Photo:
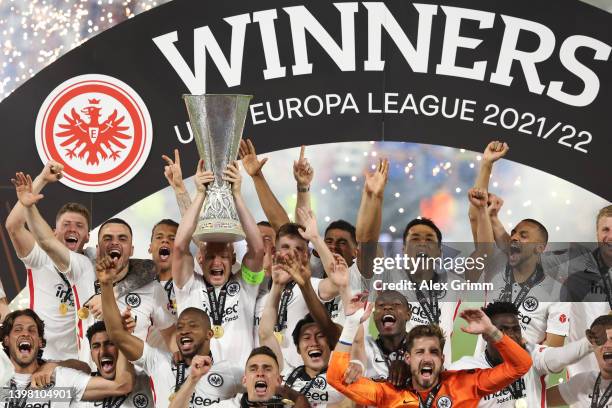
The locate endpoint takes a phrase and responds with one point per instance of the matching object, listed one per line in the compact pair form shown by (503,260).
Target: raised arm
(253,258)
(131,346)
(4,310)
(275,213)
(182,260)
(300,273)
(42,233)
(502,238)
(516,360)
(174,175)
(200,365)
(303,174)
(484,237)
(22,239)
(369,217)
(363,391)
(493,152)
(99,388)
(270,313)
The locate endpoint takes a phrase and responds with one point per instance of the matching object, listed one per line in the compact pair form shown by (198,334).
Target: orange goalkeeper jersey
(460,389)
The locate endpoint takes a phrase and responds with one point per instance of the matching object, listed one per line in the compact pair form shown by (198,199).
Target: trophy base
(219,231)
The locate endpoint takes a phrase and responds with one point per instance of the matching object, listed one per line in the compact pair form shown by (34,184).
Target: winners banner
(448,73)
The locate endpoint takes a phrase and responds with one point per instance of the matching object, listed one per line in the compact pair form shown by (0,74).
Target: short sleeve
(80,269)
(162,318)
(558,318)
(572,388)
(37,258)
(149,360)
(69,378)
(315,286)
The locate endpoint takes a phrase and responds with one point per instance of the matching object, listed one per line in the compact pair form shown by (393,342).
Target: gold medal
(521,403)
(218,331)
(288,402)
(83,313)
(63,309)
(279,337)
(171,397)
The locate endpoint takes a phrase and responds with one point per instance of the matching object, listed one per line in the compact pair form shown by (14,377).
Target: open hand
(375,181)
(247,154)
(23,187)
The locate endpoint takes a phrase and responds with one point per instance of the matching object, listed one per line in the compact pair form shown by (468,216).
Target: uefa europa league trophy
(217,122)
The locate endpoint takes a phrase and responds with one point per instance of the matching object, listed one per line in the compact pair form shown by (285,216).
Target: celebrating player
(23,339)
(229,299)
(529,390)
(429,385)
(193,333)
(589,389)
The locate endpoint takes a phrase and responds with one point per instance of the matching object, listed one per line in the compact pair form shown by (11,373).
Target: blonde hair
(604,212)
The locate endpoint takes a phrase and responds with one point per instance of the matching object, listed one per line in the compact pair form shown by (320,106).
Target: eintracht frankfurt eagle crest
(98,127)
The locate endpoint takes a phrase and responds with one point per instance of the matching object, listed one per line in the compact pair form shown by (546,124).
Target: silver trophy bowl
(217,122)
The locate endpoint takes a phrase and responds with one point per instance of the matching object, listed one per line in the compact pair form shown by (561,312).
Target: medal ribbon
(428,303)
(300,372)
(605,276)
(534,279)
(69,291)
(217,305)
(428,403)
(281,317)
(398,354)
(595,402)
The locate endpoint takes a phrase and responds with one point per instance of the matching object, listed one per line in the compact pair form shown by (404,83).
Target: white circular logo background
(98,128)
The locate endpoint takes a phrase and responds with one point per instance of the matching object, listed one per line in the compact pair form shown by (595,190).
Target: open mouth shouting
(315,355)
(261,388)
(107,364)
(515,251)
(72,241)
(607,356)
(426,372)
(185,344)
(115,253)
(388,322)
(164,253)
(25,346)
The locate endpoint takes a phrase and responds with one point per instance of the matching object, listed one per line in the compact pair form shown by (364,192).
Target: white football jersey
(578,390)
(66,392)
(296,310)
(53,300)
(140,397)
(223,381)
(317,390)
(448,306)
(144,303)
(376,367)
(537,314)
(237,341)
